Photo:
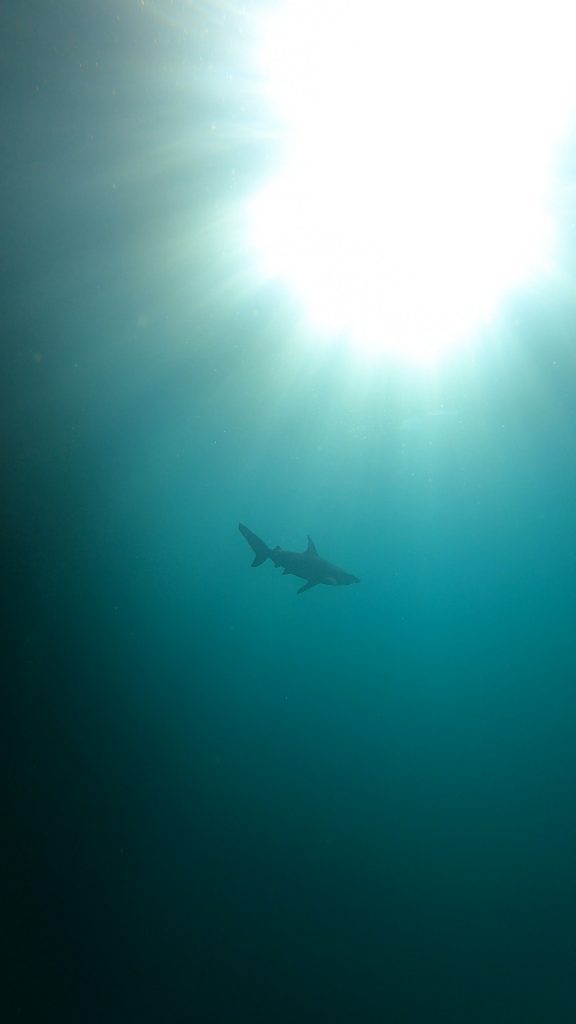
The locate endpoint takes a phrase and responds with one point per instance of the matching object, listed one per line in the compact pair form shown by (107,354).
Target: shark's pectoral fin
(307,586)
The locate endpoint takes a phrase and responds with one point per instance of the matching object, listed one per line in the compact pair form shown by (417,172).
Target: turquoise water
(228,802)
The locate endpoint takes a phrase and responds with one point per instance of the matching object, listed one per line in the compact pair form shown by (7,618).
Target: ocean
(227,802)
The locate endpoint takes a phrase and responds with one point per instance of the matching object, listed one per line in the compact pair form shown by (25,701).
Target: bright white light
(420,141)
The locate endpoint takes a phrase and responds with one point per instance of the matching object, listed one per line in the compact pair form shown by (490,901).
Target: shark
(307,565)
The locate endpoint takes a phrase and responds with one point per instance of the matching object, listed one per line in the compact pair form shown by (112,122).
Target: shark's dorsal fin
(311,549)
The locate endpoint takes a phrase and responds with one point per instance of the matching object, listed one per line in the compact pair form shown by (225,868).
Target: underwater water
(228,802)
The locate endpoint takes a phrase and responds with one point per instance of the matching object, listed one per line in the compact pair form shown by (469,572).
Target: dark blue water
(228,802)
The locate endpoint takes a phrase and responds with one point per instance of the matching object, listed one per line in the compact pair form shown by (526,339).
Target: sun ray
(419,150)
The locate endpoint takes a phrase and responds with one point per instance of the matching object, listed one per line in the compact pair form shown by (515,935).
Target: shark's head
(342,579)
(349,578)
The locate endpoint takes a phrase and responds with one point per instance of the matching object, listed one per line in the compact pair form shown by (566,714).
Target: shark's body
(306,564)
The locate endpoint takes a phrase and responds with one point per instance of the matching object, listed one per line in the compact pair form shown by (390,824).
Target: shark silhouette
(306,564)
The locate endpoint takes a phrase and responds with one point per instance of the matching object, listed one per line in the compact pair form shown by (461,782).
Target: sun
(419,146)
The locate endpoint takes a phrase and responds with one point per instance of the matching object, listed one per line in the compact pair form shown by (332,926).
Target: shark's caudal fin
(260,549)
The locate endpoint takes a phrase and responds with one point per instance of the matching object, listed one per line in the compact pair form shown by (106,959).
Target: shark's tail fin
(260,549)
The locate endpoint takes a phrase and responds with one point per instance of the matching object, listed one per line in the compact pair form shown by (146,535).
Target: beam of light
(419,148)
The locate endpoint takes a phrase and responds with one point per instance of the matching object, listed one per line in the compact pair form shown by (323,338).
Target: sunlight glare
(419,148)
